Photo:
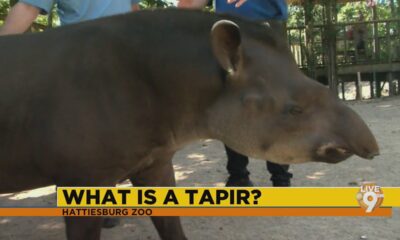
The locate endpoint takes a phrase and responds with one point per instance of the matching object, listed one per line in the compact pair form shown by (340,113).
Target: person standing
(23,13)
(255,10)
(359,36)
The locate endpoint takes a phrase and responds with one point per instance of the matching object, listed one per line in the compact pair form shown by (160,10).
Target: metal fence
(366,53)
(381,42)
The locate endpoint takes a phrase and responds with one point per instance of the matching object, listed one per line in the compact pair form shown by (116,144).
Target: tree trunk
(330,36)
(309,40)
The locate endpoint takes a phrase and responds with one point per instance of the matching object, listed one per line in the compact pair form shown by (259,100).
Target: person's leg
(237,169)
(280,175)
(361,47)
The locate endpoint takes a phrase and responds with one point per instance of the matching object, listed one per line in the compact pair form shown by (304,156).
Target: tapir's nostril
(328,148)
(333,151)
(339,150)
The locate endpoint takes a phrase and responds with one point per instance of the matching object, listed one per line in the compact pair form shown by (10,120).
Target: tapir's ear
(226,40)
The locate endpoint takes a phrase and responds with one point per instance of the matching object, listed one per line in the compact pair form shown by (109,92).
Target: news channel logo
(370,196)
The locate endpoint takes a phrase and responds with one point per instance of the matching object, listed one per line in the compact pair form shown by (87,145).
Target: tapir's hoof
(109,222)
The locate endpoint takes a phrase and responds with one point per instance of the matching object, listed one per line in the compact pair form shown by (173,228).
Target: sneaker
(281,179)
(239,182)
(281,183)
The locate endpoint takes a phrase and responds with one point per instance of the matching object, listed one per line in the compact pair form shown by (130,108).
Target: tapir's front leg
(161,174)
(83,228)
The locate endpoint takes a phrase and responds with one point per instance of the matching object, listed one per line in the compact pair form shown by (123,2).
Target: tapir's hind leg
(169,228)
(161,174)
(83,228)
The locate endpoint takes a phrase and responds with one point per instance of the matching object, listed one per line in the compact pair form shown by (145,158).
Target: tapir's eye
(295,110)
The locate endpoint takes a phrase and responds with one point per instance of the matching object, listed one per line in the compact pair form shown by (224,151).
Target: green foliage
(296,16)
(346,12)
(4,7)
(350,12)
(155,3)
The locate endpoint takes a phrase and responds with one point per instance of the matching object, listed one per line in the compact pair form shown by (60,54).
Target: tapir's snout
(334,153)
(352,136)
(359,137)
(371,155)
(369,150)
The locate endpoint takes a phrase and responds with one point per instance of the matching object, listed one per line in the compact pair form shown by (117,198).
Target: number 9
(370,203)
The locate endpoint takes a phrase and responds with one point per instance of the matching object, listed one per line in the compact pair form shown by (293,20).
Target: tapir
(101,101)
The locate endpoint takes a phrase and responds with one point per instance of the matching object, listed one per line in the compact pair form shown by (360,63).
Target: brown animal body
(92,103)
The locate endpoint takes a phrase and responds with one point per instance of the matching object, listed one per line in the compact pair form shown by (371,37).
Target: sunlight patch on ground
(182,175)
(48,226)
(177,167)
(125,183)
(35,193)
(208,184)
(6,194)
(129,225)
(316,175)
(384,106)
(4,221)
(219,184)
(197,156)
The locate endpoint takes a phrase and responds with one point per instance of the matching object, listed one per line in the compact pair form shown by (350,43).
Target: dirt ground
(203,164)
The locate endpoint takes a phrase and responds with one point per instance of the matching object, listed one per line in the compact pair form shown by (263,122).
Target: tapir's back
(92,90)
(117,85)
